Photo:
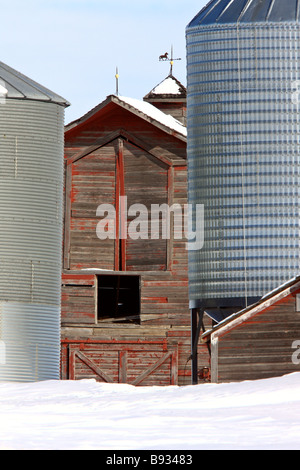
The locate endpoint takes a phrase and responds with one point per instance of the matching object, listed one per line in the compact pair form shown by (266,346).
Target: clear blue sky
(74,46)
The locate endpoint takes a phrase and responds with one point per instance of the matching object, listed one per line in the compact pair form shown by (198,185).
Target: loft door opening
(119,298)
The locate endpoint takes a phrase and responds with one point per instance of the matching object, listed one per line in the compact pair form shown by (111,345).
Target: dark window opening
(119,298)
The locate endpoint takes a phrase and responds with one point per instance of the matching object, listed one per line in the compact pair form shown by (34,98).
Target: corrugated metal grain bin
(31,199)
(243,149)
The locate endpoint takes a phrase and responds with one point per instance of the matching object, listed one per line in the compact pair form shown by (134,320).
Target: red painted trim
(180,168)
(84,277)
(122,260)
(113,341)
(117,205)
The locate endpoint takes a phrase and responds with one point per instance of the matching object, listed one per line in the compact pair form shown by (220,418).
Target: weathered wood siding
(177,110)
(93,180)
(146,183)
(124,354)
(78,303)
(260,347)
(135,362)
(116,153)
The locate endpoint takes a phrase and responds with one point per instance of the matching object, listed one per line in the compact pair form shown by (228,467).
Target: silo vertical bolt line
(242,163)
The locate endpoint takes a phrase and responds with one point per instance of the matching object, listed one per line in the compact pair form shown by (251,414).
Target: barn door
(136,363)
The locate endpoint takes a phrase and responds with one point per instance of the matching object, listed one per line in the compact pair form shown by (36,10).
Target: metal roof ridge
(42,93)
(270,9)
(249,11)
(247,5)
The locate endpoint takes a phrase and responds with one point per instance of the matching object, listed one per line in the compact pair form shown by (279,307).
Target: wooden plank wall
(154,169)
(93,183)
(177,110)
(262,346)
(147,347)
(136,362)
(78,302)
(146,183)
(165,316)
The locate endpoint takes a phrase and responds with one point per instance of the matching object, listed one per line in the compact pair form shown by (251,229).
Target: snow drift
(87,415)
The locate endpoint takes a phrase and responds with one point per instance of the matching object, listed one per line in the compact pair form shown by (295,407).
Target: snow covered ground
(86,415)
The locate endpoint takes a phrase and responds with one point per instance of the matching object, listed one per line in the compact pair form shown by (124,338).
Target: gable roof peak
(169,88)
(154,114)
(141,108)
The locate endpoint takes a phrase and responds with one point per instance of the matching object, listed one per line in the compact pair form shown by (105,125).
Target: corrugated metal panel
(31,190)
(31,335)
(243,150)
(249,11)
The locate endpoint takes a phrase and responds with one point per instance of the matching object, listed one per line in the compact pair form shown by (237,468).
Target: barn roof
(15,85)
(141,108)
(266,301)
(246,11)
(154,114)
(169,88)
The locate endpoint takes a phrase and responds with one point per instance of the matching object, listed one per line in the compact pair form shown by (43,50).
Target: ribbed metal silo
(243,67)
(31,187)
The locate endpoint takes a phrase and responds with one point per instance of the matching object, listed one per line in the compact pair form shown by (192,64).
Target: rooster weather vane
(165,58)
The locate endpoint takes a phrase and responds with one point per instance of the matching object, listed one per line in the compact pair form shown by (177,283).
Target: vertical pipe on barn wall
(196,325)
(214,358)
(31,201)
(243,98)
(194,355)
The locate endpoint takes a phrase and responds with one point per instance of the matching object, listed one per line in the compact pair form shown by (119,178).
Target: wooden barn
(125,306)
(260,341)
